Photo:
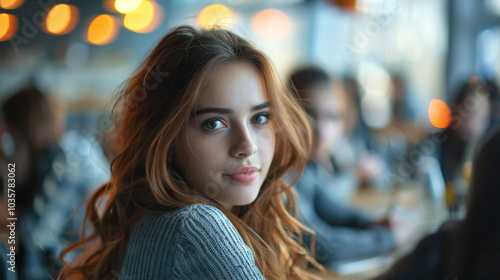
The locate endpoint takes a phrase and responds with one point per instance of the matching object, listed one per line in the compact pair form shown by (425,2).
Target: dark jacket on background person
(342,233)
(427,260)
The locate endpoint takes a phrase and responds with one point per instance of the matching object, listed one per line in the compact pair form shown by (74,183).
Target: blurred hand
(404,225)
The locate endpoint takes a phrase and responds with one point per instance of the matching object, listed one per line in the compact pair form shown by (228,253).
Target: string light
(11,4)
(102,30)
(145,18)
(8,26)
(215,15)
(61,19)
(271,24)
(127,6)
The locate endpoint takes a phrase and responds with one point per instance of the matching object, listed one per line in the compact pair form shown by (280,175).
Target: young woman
(205,136)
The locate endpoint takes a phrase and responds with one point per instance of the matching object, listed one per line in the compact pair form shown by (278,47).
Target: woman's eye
(261,118)
(213,124)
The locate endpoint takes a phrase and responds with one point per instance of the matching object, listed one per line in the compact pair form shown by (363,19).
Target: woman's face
(228,145)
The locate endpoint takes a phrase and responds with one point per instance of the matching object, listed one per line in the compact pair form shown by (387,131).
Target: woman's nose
(244,144)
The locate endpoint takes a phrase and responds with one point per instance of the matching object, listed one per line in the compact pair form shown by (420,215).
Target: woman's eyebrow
(260,106)
(226,111)
(223,111)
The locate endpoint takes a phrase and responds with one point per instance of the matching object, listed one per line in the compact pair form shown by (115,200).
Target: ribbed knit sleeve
(194,242)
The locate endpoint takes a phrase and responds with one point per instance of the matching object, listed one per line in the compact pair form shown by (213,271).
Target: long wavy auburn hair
(153,109)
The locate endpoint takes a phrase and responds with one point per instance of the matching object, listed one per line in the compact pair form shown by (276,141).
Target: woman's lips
(244,174)
(243,177)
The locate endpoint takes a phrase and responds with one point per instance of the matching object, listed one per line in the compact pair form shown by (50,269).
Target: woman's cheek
(267,144)
(206,148)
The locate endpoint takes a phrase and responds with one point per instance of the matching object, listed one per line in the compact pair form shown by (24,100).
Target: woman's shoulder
(184,220)
(197,223)
(205,221)
(195,212)
(192,242)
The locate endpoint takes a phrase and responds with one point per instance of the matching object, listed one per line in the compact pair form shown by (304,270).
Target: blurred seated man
(55,171)
(466,249)
(342,233)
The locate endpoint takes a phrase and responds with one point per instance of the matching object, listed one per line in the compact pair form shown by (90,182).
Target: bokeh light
(271,24)
(216,14)
(146,18)
(439,113)
(375,83)
(11,4)
(127,6)
(376,111)
(61,19)
(102,30)
(8,26)
(374,79)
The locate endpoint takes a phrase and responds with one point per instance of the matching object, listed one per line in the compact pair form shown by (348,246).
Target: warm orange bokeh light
(61,19)
(8,26)
(11,4)
(127,6)
(102,30)
(144,19)
(439,113)
(216,14)
(271,24)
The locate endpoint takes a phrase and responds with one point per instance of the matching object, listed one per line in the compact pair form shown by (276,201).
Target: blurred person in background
(494,102)
(466,249)
(470,117)
(55,171)
(342,233)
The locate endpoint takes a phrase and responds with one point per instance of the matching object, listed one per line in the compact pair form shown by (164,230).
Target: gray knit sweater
(193,242)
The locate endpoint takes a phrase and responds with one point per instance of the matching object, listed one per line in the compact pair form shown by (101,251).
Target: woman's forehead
(234,85)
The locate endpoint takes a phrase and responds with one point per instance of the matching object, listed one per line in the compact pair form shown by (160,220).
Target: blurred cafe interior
(416,96)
